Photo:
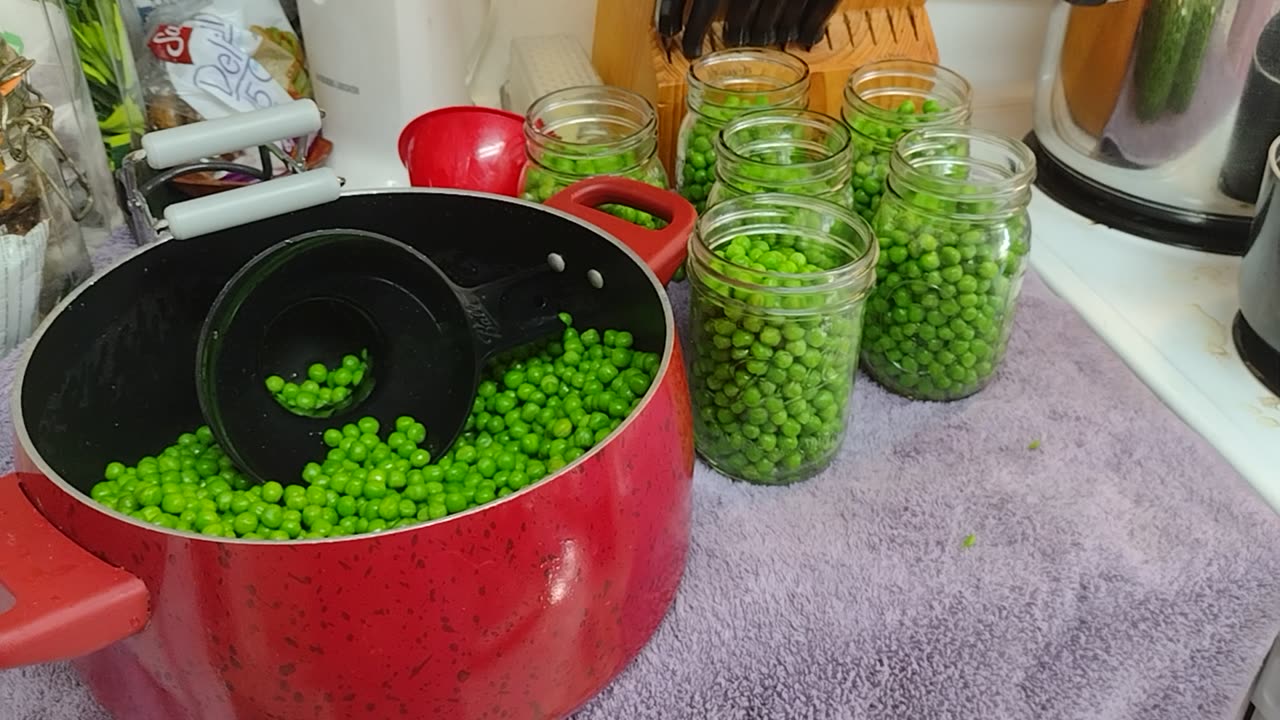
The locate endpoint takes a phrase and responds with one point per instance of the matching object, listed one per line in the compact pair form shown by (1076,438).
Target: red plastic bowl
(465,147)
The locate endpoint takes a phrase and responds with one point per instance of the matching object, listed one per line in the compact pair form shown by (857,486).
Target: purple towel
(1119,570)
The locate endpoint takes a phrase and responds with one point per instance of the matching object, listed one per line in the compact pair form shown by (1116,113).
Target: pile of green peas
(770,388)
(873,146)
(553,173)
(324,388)
(537,409)
(698,156)
(939,318)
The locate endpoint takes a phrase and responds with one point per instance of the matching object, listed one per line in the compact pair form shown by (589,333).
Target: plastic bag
(207,59)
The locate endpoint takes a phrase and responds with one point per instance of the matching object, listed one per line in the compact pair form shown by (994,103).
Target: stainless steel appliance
(1257,326)
(1138,114)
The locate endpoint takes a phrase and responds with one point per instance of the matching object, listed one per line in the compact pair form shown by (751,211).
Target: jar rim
(601,95)
(767,56)
(834,161)
(858,273)
(1014,166)
(949,86)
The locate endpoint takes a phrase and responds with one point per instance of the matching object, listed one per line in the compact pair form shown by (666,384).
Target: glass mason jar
(583,132)
(722,86)
(778,283)
(42,251)
(794,151)
(885,99)
(954,235)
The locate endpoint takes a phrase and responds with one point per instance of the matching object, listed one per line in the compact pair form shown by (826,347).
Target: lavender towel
(1120,570)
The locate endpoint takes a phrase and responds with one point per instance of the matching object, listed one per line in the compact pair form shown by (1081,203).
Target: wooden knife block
(628,53)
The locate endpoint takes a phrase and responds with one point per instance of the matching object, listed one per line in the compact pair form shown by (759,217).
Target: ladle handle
(662,250)
(57,601)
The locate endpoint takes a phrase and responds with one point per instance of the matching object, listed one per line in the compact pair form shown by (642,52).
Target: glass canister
(778,283)
(722,86)
(954,235)
(588,131)
(786,150)
(885,99)
(41,246)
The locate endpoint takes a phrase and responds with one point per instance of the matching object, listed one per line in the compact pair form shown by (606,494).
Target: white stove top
(1168,312)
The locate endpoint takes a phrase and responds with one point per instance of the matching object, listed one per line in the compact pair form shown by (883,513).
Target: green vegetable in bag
(1187,76)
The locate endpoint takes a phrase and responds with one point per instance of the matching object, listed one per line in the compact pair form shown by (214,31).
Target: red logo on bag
(171,43)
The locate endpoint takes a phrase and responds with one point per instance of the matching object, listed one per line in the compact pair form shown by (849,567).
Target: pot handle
(189,143)
(57,601)
(662,250)
(251,203)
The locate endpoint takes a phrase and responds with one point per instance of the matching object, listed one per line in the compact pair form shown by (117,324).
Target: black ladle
(322,295)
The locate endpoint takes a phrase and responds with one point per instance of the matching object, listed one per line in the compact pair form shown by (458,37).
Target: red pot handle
(57,601)
(662,250)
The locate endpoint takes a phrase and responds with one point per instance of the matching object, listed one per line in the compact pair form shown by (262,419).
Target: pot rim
(28,446)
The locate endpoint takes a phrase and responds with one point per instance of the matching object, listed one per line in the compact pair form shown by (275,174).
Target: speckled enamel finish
(522,609)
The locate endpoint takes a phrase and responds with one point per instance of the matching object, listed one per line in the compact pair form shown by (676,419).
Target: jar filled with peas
(778,286)
(784,150)
(954,235)
(584,132)
(885,99)
(722,86)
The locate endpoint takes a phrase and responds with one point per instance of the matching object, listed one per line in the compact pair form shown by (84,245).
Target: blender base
(1216,234)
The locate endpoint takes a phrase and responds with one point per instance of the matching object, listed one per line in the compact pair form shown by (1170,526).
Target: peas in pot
(722,86)
(786,150)
(583,132)
(886,99)
(778,286)
(954,235)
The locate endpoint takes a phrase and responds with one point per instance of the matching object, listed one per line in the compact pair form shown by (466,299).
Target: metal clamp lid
(26,116)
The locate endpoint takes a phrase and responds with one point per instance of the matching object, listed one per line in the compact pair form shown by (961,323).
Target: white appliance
(377,64)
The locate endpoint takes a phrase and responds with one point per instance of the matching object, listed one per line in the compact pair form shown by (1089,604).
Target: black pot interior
(112,377)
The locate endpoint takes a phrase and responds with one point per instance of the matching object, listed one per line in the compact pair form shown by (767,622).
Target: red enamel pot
(523,608)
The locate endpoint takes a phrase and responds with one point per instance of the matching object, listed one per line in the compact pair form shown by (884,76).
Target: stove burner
(1261,359)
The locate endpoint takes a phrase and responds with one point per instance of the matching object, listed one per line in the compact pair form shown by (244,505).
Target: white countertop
(1167,312)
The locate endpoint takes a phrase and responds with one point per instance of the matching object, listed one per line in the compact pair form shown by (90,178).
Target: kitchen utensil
(1141,148)
(469,148)
(765,26)
(789,26)
(1258,120)
(167,157)
(523,608)
(701,13)
(320,296)
(1257,326)
(669,19)
(739,17)
(377,66)
(813,25)
(629,53)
